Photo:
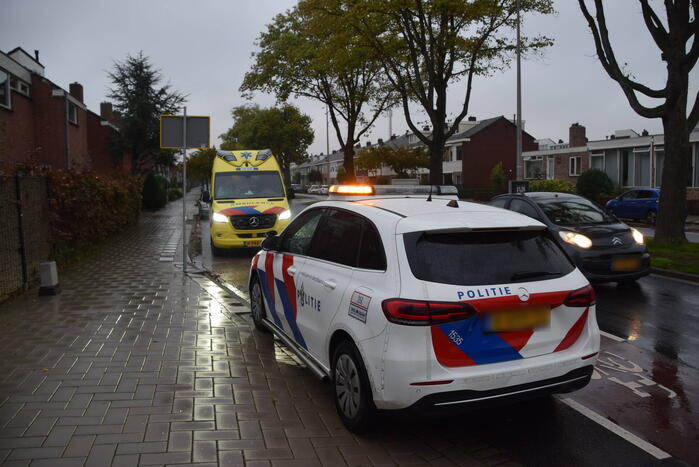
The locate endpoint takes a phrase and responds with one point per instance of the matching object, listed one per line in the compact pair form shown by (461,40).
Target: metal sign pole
(519,169)
(184,193)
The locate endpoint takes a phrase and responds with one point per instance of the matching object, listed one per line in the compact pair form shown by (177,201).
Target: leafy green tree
(424,46)
(200,164)
(139,100)
(498,178)
(284,130)
(305,52)
(671,36)
(403,161)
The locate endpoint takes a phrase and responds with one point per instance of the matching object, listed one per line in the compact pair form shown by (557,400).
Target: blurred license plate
(627,263)
(252,243)
(515,320)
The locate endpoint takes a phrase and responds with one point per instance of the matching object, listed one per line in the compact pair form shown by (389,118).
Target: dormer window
(72,113)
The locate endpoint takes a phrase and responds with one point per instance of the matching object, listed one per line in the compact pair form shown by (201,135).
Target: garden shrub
(174,193)
(86,207)
(594,184)
(154,192)
(560,186)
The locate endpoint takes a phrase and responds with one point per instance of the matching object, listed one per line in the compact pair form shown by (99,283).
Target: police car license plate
(252,243)
(626,263)
(516,320)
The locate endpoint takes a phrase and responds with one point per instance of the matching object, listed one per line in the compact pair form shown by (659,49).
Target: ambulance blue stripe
(247,210)
(289,314)
(480,346)
(269,297)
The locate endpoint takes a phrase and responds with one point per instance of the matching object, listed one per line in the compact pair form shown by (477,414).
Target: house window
(534,168)
(575,162)
(72,113)
(459,153)
(597,161)
(4,89)
(19,85)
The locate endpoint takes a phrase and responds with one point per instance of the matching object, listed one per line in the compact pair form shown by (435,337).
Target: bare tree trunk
(348,150)
(436,154)
(676,166)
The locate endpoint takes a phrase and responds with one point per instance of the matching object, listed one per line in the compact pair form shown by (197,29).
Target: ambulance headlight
(218,217)
(637,236)
(576,239)
(285,215)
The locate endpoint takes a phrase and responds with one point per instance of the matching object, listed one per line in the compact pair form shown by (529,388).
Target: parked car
(602,247)
(428,306)
(636,204)
(313,189)
(297,187)
(323,190)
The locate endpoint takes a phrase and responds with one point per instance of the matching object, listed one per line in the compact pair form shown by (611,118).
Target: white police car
(425,303)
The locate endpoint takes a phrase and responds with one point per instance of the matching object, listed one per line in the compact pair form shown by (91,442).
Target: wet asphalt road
(646,380)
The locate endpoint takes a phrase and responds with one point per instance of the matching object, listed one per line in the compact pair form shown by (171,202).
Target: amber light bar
(352,189)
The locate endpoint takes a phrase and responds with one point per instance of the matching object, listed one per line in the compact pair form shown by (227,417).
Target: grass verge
(682,257)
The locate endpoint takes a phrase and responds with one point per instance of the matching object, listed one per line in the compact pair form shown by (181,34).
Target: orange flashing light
(352,189)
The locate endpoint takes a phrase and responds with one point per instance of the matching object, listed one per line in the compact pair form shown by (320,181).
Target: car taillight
(422,313)
(584,296)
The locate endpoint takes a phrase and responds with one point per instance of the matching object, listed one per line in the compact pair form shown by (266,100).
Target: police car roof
(417,214)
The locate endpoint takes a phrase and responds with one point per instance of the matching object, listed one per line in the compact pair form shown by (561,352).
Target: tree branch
(655,26)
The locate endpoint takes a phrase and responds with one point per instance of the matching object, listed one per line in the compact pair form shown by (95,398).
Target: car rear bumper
(446,402)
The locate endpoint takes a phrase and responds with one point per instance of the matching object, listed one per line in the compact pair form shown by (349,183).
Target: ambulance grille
(253,221)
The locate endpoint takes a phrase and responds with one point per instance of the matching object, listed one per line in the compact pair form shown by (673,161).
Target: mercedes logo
(254,221)
(523,294)
(616,241)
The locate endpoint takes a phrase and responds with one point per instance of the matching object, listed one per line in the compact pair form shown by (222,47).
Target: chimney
(472,119)
(36,55)
(644,133)
(393,137)
(76,90)
(380,142)
(368,143)
(577,136)
(426,128)
(106,111)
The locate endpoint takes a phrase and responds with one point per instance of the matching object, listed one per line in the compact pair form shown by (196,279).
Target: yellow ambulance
(248,199)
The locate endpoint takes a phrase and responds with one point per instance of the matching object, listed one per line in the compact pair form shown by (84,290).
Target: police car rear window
(477,258)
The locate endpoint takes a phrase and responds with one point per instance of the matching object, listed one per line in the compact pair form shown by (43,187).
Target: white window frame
(603,155)
(531,159)
(574,167)
(8,90)
(551,164)
(21,87)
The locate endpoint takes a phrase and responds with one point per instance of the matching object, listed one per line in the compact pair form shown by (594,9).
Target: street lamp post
(519,164)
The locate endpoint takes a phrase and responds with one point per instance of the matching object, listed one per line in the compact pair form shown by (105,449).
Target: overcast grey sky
(203,48)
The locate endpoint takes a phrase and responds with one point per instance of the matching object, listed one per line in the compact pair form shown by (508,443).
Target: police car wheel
(257,306)
(353,399)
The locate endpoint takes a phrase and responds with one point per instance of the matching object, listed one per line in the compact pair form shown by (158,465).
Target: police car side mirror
(271,243)
(205,196)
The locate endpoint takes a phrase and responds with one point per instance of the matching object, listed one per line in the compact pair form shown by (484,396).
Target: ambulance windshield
(248,184)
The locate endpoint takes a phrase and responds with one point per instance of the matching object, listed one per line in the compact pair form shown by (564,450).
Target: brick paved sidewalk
(134,364)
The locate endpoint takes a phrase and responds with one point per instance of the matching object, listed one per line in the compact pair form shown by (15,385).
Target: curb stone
(675,274)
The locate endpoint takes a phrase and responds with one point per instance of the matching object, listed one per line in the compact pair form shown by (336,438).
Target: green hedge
(560,186)
(86,207)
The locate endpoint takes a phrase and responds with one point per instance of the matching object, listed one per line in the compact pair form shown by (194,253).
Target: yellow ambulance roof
(230,160)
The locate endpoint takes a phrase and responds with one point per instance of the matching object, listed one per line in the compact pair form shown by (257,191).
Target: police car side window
(297,237)
(337,238)
(371,255)
(523,207)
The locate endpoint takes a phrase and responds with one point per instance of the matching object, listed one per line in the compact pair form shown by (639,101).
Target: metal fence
(25,235)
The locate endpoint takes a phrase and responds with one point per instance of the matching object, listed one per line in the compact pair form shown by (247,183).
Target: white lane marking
(614,428)
(612,336)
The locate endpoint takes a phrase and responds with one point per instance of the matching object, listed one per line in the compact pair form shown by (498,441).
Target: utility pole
(519,163)
(390,124)
(327,132)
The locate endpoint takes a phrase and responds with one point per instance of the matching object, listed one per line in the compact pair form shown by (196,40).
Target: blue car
(641,203)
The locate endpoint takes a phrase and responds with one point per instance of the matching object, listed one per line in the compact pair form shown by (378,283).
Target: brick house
(481,146)
(43,124)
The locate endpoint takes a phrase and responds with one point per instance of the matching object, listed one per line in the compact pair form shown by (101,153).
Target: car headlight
(638,236)
(576,239)
(285,215)
(218,217)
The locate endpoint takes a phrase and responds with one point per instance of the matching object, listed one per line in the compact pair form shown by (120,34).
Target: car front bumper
(223,235)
